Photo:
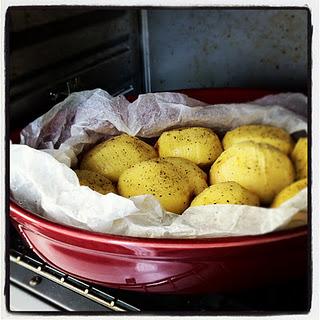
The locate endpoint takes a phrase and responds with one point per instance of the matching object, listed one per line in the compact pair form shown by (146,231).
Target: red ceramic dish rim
(73,232)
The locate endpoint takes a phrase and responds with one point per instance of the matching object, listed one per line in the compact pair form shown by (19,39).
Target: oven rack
(95,299)
(67,293)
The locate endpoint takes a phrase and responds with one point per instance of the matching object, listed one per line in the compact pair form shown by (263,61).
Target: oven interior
(53,51)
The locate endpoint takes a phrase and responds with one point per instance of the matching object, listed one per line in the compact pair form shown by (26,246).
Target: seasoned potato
(300,158)
(199,145)
(289,192)
(112,157)
(95,181)
(226,193)
(273,136)
(260,168)
(194,174)
(299,219)
(160,179)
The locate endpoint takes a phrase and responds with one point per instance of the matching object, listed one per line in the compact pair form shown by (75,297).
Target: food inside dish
(226,193)
(260,168)
(273,136)
(254,165)
(112,157)
(300,158)
(95,181)
(289,192)
(199,145)
(196,176)
(160,178)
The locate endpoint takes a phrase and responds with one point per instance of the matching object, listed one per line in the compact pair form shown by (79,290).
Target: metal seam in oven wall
(145,50)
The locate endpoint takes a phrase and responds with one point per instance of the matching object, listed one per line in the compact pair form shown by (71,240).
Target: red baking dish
(169,265)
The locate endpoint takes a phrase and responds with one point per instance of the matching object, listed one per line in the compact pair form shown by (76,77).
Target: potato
(260,168)
(299,219)
(193,173)
(160,179)
(299,156)
(289,192)
(112,157)
(273,136)
(199,145)
(95,181)
(226,193)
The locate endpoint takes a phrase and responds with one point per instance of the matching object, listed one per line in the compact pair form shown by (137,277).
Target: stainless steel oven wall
(56,50)
(227,48)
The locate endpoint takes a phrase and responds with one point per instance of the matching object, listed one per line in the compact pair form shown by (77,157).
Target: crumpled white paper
(42,181)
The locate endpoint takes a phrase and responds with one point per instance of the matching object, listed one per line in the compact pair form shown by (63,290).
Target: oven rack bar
(88,291)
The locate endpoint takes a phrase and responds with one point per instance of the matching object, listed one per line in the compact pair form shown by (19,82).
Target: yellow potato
(300,158)
(260,168)
(199,145)
(95,181)
(225,193)
(193,173)
(273,136)
(288,192)
(299,219)
(160,179)
(112,157)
